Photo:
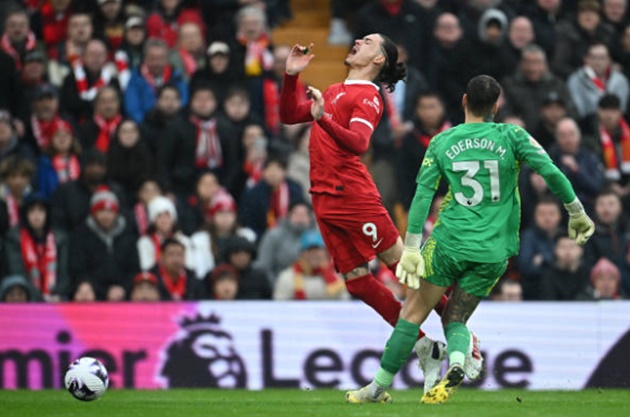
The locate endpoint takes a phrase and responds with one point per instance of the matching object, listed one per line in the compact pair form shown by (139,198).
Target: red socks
(370,290)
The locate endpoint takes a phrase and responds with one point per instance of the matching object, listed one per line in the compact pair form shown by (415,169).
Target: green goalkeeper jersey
(480,217)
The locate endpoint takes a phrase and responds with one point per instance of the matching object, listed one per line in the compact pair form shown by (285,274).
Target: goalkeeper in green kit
(475,234)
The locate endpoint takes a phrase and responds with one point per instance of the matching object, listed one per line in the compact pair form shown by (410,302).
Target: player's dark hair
(609,102)
(482,94)
(392,71)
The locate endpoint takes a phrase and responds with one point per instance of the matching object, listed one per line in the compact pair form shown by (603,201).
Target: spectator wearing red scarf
(166,20)
(268,202)
(200,142)
(176,282)
(595,79)
(60,162)
(16,175)
(80,30)
(429,119)
(51,23)
(153,74)
(90,73)
(18,39)
(45,115)
(189,55)
(255,45)
(38,252)
(312,276)
(97,132)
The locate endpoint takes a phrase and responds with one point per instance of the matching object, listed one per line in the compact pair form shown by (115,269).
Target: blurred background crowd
(142,156)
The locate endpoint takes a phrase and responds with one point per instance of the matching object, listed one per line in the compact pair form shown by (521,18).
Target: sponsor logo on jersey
(374,103)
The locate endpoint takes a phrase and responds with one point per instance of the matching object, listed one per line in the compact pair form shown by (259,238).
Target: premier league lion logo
(203,355)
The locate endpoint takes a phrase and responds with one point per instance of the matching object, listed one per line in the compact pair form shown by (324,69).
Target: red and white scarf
(425,139)
(175,287)
(611,155)
(155,84)
(189,61)
(13,209)
(208,152)
(107,129)
(142,218)
(254,171)
(334,284)
(600,83)
(87,92)
(40,261)
(279,205)
(44,130)
(66,167)
(7,46)
(122,67)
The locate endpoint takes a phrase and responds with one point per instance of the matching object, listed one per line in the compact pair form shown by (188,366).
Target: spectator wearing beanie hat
(224,282)
(145,287)
(103,248)
(162,225)
(605,282)
(220,226)
(71,200)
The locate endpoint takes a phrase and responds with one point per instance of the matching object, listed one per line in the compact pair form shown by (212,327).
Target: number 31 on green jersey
(470,169)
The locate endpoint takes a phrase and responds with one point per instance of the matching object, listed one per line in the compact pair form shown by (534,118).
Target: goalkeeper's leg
(458,339)
(417,307)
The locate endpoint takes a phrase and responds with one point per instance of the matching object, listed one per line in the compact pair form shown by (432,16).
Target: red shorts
(354,231)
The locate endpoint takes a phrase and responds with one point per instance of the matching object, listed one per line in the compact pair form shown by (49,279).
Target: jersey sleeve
(364,117)
(427,183)
(529,151)
(292,110)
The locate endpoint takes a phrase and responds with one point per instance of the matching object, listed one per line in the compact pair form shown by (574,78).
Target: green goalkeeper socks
(457,342)
(396,351)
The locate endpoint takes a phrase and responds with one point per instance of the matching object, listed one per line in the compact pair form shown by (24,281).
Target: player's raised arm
(529,151)
(293,111)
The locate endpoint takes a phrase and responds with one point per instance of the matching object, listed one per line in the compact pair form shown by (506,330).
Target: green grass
(316,403)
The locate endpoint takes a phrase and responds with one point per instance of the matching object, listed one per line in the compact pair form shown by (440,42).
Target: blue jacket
(255,204)
(47,179)
(140,96)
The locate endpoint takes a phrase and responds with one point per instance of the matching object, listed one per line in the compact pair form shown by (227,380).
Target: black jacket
(129,167)
(104,259)
(558,284)
(176,156)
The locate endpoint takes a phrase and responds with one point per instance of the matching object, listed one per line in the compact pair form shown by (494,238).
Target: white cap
(134,21)
(218,48)
(160,205)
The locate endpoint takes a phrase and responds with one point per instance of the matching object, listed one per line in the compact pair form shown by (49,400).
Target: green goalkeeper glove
(581,227)
(411,265)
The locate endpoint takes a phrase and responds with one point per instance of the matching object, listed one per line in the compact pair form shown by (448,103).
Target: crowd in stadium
(142,155)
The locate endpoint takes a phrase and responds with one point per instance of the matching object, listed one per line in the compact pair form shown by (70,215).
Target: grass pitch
(316,403)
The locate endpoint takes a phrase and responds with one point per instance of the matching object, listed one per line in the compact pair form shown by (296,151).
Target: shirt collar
(361,82)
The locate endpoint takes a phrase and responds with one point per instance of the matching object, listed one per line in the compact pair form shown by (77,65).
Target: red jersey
(352,110)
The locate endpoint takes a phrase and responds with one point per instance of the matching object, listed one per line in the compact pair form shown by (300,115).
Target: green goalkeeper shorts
(476,278)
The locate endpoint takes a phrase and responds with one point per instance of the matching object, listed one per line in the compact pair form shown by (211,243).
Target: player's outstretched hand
(581,227)
(299,59)
(317,107)
(410,268)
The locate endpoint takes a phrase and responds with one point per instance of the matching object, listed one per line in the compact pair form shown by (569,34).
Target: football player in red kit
(352,219)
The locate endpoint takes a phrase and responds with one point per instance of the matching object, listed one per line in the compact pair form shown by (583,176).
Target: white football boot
(473,364)
(430,353)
